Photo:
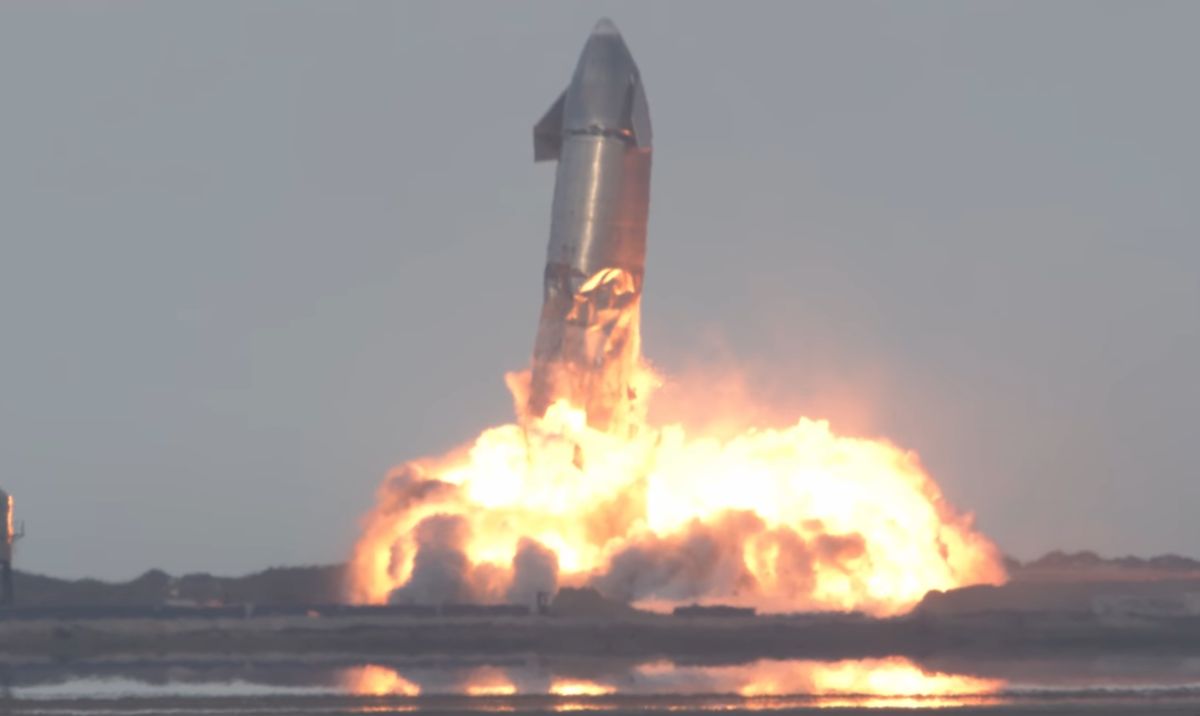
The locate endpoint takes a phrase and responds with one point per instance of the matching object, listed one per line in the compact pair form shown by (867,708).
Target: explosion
(786,518)
(582,490)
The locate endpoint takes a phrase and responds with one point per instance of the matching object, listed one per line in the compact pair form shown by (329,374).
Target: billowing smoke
(704,561)
(443,573)
(535,569)
(708,561)
(783,519)
(441,570)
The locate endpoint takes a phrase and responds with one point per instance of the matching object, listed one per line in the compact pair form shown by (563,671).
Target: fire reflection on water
(374,680)
(580,687)
(490,681)
(891,682)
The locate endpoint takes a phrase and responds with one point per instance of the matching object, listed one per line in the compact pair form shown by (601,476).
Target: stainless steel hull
(587,348)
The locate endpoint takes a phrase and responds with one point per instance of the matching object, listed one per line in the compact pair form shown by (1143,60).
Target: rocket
(588,348)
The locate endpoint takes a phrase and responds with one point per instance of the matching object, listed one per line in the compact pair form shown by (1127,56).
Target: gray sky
(255,253)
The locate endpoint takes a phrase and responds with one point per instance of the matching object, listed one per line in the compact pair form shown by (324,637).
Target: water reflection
(527,683)
(375,680)
(580,687)
(490,681)
(887,680)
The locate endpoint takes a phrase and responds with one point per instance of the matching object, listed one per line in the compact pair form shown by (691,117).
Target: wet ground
(527,684)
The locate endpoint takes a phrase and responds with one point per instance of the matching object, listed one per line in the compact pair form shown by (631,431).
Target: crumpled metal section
(598,353)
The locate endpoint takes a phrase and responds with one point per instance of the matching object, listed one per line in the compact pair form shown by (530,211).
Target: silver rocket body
(588,343)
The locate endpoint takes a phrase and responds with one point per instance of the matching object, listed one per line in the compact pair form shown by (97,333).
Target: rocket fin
(547,133)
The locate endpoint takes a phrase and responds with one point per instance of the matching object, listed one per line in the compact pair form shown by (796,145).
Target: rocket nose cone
(605,27)
(606,89)
(606,47)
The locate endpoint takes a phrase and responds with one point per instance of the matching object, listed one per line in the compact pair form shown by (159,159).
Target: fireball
(782,518)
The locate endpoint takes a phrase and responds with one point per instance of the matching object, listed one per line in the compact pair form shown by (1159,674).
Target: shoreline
(813,636)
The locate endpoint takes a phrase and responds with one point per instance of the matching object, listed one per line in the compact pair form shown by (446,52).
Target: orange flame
(786,518)
(789,518)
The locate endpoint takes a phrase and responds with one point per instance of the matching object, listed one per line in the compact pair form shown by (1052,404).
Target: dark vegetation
(323,585)
(278,585)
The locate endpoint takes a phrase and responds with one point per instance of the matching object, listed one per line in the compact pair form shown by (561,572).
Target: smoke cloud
(441,570)
(704,561)
(782,519)
(535,569)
